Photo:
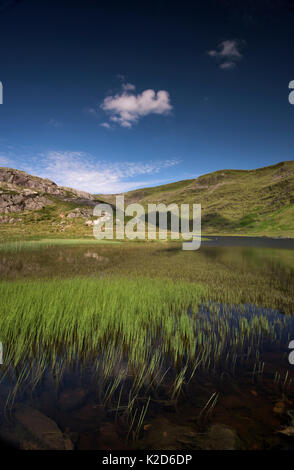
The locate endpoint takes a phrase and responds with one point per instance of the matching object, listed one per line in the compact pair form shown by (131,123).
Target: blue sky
(108,99)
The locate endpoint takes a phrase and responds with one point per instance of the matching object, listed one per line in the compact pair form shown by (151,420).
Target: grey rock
(20,191)
(80,212)
(79,194)
(220,437)
(24,180)
(23,201)
(43,429)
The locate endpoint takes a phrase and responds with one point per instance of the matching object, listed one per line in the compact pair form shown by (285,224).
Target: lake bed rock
(43,429)
(220,437)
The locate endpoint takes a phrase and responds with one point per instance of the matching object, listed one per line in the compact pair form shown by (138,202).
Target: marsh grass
(142,319)
(92,314)
(239,275)
(28,245)
(151,334)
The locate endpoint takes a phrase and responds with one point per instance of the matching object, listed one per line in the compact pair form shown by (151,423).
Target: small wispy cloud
(127,107)
(128,87)
(105,124)
(90,110)
(227,53)
(79,170)
(54,123)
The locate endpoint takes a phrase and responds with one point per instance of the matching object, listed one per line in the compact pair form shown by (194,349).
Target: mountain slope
(33,206)
(257,202)
(251,202)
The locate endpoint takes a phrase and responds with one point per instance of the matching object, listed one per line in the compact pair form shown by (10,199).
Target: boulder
(43,429)
(79,212)
(220,437)
(166,435)
(22,202)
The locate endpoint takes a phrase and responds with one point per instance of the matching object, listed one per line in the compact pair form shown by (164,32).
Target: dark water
(262,242)
(242,398)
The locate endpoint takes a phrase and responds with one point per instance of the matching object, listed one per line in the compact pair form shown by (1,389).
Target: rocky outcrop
(25,200)
(78,194)
(20,179)
(80,212)
(13,178)
(20,191)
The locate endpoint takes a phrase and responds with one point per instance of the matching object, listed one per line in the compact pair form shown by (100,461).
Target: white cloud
(80,171)
(228,65)
(126,108)
(128,87)
(105,124)
(227,53)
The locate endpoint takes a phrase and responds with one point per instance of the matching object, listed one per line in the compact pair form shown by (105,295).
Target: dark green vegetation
(253,202)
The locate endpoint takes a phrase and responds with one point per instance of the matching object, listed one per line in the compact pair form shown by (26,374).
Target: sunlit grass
(47,243)
(50,325)
(94,314)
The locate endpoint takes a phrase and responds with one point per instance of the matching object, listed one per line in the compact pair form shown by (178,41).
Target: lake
(145,346)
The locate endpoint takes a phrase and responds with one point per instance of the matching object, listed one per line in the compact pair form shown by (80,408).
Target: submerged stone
(220,437)
(42,428)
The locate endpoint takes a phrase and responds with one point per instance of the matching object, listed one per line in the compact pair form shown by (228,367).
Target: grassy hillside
(234,202)
(50,221)
(253,202)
